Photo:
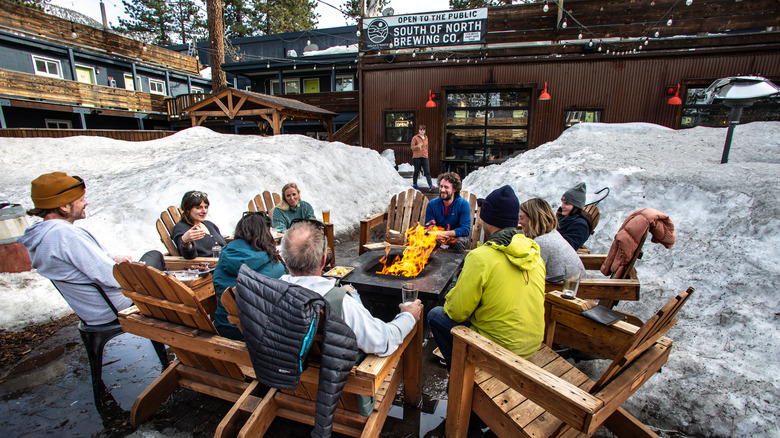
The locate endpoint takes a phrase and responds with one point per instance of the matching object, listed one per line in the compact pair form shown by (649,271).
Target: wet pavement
(55,398)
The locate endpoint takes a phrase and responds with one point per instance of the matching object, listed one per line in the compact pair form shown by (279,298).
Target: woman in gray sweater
(540,224)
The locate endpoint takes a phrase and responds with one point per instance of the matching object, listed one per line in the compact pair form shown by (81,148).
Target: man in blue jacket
(451,212)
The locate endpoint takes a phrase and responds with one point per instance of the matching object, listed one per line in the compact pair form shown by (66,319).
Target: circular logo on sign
(377,31)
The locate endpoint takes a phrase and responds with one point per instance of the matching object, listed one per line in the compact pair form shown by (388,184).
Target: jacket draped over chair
(631,233)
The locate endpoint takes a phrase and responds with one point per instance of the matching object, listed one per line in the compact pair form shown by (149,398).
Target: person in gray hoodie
(61,251)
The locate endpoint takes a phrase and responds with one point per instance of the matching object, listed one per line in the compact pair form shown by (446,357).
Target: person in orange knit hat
(63,252)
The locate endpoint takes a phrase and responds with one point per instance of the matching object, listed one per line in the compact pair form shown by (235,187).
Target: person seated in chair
(291,207)
(194,236)
(61,251)
(254,246)
(500,291)
(303,251)
(574,224)
(539,223)
(451,212)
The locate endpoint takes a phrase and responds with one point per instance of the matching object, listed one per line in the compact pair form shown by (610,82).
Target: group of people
(62,251)
(500,290)
(499,293)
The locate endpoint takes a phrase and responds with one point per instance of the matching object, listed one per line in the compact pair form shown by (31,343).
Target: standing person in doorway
(420,158)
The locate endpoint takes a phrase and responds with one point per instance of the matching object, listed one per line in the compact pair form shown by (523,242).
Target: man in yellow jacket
(500,291)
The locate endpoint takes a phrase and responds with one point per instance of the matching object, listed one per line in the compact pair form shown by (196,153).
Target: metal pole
(734,115)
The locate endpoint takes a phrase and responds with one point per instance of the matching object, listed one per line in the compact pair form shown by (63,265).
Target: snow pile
(721,379)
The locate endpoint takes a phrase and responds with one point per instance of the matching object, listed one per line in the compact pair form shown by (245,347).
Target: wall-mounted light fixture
(545,95)
(73,33)
(431,103)
(674,100)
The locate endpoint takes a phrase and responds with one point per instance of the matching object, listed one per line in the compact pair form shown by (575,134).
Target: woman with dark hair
(253,246)
(291,207)
(538,223)
(574,224)
(194,236)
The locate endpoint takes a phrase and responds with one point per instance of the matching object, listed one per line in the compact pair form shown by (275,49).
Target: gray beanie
(576,195)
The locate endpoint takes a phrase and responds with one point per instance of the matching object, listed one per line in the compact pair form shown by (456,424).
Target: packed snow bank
(722,377)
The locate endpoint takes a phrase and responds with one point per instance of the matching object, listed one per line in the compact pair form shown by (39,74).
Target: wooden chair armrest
(564,400)
(365,228)
(592,262)
(603,289)
(178,263)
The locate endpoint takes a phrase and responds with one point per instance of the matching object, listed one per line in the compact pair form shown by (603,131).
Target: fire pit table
(442,267)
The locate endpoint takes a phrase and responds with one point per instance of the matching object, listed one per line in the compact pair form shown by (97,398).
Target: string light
(546,7)
(657,33)
(564,24)
(590,43)
(670,20)
(688,2)
(579,37)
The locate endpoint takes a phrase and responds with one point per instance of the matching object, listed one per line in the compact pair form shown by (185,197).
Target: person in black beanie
(500,291)
(574,224)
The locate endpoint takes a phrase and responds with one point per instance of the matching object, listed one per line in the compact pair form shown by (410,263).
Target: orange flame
(421,243)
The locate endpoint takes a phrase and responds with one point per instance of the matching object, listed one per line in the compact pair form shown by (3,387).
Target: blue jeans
(441,325)
(421,163)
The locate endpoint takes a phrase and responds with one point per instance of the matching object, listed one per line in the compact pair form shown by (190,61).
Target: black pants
(154,259)
(421,163)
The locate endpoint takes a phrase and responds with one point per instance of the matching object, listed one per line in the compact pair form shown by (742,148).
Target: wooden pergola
(259,107)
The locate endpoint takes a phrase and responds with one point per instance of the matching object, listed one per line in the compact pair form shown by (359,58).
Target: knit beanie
(56,189)
(501,208)
(576,196)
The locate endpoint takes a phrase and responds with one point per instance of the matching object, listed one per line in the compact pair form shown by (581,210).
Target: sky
(329,17)
(723,376)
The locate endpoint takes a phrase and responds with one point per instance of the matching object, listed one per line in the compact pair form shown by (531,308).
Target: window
(486,127)
(698,111)
(156,86)
(399,126)
(58,124)
(196,90)
(47,67)
(575,116)
(86,74)
(311,85)
(345,83)
(291,86)
(129,82)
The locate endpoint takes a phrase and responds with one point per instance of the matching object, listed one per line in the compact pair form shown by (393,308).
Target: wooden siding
(337,101)
(37,24)
(627,89)
(30,86)
(127,135)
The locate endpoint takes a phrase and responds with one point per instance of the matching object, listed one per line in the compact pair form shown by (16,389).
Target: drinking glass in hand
(408,293)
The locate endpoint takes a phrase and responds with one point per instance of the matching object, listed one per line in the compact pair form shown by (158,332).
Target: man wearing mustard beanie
(63,252)
(500,291)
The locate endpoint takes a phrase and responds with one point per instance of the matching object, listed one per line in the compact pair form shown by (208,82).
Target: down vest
(631,232)
(279,320)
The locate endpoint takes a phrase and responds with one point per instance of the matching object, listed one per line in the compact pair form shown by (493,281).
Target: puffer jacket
(630,234)
(279,321)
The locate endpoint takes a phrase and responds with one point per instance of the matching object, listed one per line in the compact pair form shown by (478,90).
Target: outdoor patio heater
(737,93)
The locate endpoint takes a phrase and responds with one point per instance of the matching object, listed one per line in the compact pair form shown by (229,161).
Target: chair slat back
(265,201)
(168,219)
(645,337)
(476,222)
(595,215)
(165,298)
(406,210)
(637,255)
(229,303)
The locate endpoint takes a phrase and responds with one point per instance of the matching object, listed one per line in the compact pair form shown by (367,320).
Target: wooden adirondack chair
(406,209)
(173,260)
(595,215)
(476,222)
(169,312)
(378,377)
(545,395)
(267,202)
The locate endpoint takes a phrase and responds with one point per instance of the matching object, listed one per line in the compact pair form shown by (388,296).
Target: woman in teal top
(291,207)
(253,246)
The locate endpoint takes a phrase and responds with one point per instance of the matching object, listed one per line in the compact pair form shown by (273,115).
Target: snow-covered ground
(722,377)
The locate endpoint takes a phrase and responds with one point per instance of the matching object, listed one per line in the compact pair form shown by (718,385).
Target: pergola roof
(232,103)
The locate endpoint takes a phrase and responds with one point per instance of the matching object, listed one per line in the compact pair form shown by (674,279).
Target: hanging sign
(448,28)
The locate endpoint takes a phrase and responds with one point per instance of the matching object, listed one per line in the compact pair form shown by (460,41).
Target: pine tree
(188,21)
(470,4)
(148,19)
(290,16)
(243,18)
(352,7)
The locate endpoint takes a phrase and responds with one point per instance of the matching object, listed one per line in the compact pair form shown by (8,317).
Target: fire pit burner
(431,282)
